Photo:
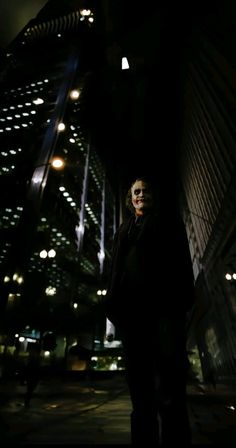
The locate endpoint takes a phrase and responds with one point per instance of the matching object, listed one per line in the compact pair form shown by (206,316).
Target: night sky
(14,15)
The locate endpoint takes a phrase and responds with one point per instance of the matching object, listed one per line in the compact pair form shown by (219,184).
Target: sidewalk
(96,411)
(212,414)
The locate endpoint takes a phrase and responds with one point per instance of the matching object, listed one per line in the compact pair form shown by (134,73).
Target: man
(149,294)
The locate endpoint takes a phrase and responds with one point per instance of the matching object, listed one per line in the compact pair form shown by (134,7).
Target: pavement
(94,410)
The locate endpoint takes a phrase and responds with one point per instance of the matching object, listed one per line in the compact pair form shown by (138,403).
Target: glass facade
(57,225)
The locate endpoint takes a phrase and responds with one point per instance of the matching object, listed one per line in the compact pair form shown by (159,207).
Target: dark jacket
(151,270)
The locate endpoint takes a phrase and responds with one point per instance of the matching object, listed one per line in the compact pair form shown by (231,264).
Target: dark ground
(81,411)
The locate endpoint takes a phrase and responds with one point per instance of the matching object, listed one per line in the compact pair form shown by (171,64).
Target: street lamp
(39,178)
(57,163)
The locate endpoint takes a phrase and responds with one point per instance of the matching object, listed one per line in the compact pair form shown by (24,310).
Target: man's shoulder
(123,227)
(126,222)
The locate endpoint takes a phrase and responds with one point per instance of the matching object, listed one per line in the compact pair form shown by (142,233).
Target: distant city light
(43,254)
(85,12)
(124,63)
(61,127)
(38,101)
(228,276)
(51,253)
(50,291)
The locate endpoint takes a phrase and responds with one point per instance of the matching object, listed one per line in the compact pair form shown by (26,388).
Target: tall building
(57,207)
(208,163)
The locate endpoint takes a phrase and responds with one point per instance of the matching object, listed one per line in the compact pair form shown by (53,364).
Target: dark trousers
(156,371)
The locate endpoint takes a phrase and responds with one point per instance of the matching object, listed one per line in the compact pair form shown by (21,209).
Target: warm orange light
(58,163)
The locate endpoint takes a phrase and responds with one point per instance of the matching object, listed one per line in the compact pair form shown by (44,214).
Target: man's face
(141,197)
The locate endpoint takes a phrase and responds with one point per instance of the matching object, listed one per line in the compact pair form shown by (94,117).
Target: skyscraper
(57,221)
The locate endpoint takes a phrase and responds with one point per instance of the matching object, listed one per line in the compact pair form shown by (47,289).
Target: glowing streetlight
(74,94)
(61,127)
(58,163)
